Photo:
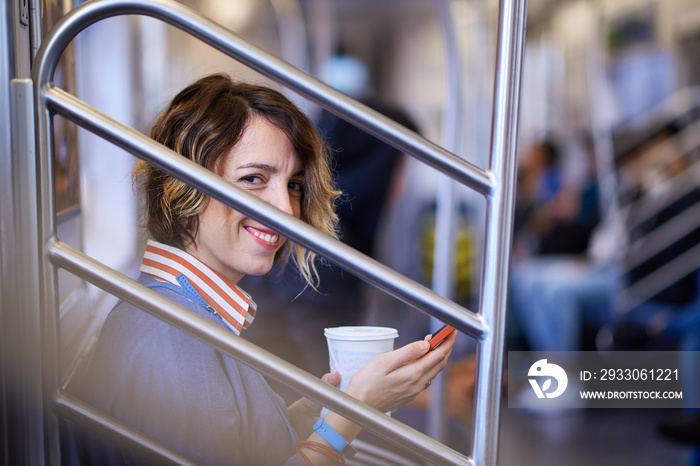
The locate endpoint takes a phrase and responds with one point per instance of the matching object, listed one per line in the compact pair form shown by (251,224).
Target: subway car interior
(525,171)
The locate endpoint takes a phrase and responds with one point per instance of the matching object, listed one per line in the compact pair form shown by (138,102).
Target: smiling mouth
(268,238)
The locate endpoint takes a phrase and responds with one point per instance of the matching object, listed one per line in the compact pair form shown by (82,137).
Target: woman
(177,389)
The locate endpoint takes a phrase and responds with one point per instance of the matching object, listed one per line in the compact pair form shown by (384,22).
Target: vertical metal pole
(443,251)
(499,226)
(44,278)
(26,339)
(22,436)
(46,273)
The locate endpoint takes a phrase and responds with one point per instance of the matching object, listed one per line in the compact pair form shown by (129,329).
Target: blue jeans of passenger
(553,296)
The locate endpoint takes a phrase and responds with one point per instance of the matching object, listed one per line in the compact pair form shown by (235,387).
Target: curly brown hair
(202,123)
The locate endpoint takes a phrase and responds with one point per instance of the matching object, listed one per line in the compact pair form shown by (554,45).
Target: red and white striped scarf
(231,303)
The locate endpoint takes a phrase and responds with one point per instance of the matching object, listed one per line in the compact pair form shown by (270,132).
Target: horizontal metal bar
(402,288)
(63,256)
(660,279)
(261,61)
(671,108)
(673,187)
(689,138)
(105,426)
(663,236)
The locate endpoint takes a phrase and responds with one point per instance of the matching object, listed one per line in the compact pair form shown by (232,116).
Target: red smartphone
(440,335)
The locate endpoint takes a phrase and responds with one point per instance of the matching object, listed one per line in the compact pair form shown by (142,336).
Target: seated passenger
(555,287)
(170,385)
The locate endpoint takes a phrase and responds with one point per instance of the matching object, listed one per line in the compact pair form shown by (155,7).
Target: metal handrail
(263,62)
(660,279)
(488,327)
(72,408)
(648,205)
(69,107)
(136,143)
(65,257)
(663,236)
(493,296)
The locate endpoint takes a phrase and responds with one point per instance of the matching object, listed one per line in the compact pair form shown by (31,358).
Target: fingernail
(424,345)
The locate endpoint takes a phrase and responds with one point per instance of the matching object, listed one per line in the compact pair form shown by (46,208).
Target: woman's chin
(260,270)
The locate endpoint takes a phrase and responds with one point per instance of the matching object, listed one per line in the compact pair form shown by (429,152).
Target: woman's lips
(266,238)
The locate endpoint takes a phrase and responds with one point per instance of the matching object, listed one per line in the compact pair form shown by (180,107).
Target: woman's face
(264,164)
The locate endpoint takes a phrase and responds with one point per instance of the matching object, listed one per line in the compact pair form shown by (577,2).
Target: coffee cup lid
(360,333)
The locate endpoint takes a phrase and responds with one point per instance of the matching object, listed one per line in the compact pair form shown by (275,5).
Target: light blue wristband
(333,438)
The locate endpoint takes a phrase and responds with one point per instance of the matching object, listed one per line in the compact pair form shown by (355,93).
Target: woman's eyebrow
(267,168)
(259,166)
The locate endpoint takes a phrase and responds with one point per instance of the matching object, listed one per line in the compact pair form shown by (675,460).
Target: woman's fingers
(416,356)
(332,378)
(437,354)
(393,379)
(433,362)
(389,362)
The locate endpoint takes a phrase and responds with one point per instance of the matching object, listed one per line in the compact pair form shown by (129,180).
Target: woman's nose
(282,199)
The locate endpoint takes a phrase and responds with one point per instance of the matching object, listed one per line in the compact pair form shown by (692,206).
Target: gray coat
(178,390)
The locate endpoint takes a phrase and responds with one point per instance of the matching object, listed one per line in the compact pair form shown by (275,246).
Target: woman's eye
(296,186)
(253,179)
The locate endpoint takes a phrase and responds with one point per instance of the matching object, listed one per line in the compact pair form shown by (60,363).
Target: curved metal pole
(70,107)
(488,328)
(499,227)
(405,289)
(248,353)
(261,61)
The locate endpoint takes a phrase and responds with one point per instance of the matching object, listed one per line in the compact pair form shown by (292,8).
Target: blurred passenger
(554,216)
(556,289)
(660,189)
(167,383)
(664,189)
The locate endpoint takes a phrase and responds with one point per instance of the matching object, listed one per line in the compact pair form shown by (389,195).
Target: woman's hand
(303,413)
(393,379)
(387,382)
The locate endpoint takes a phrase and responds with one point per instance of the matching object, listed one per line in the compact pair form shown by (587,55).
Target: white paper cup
(350,348)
